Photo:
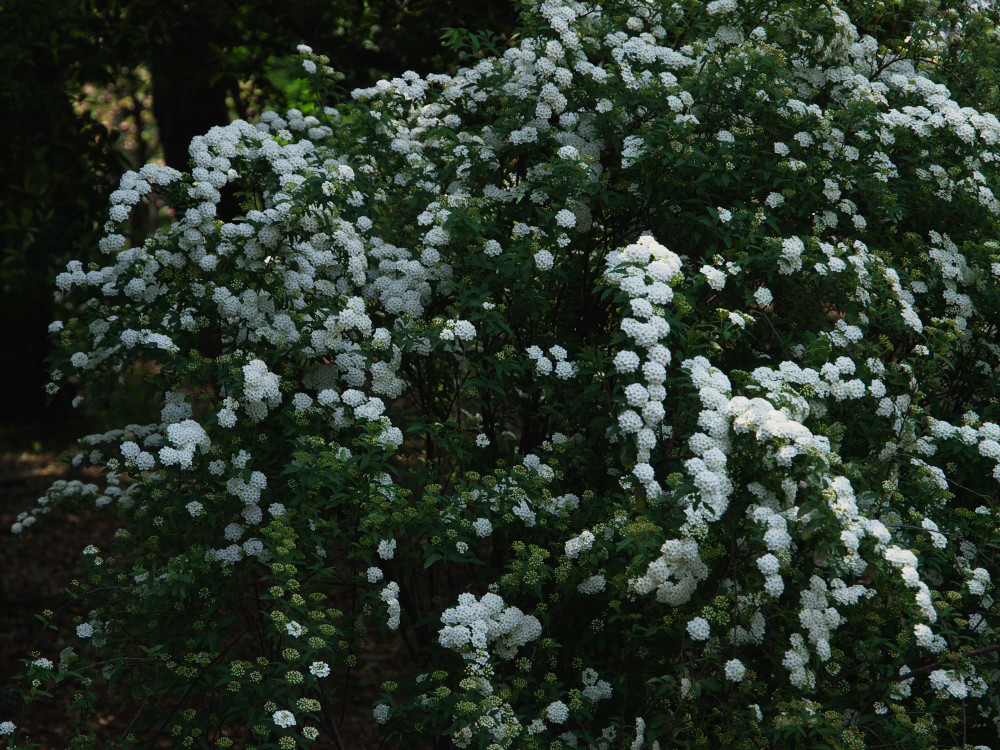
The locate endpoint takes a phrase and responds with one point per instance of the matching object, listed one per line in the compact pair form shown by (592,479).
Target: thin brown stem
(937,664)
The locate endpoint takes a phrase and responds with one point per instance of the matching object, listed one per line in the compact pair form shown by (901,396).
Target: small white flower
(566,219)
(381,713)
(627,361)
(544,260)
(715,278)
(768,564)
(464,330)
(774,585)
(387,548)
(593,585)
(85,630)
(294,629)
(565,370)
(699,629)
(578,544)
(284,719)
(557,712)
(735,670)
(320,669)
(130,450)
(536,727)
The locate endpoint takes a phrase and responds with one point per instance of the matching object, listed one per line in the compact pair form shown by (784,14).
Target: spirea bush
(639,384)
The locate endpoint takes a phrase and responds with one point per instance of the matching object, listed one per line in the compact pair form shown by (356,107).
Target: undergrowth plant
(639,385)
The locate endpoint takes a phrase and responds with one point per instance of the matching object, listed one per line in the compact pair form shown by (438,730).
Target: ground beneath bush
(36,568)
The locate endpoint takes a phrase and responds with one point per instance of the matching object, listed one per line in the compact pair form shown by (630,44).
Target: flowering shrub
(641,382)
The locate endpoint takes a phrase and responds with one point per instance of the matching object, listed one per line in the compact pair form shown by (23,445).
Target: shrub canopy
(641,381)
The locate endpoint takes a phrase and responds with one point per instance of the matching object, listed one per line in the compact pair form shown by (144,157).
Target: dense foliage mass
(641,380)
(79,113)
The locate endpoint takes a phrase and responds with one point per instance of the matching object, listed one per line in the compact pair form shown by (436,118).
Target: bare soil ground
(35,569)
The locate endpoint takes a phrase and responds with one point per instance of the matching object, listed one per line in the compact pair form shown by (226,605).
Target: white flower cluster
(387,549)
(819,619)
(735,671)
(699,629)
(249,492)
(978,581)
(986,439)
(958,685)
(595,688)
(711,447)
(906,563)
(186,437)
(390,595)
(458,330)
(769,566)
(760,418)
(644,271)
(791,256)
(593,585)
(579,544)
(484,623)
(782,386)
(926,638)
(63,491)
(557,712)
(716,279)
(675,574)
(795,661)
(563,368)
(261,387)
(284,719)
